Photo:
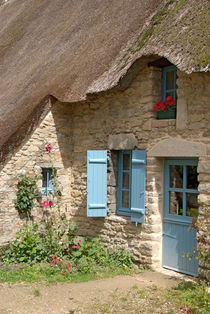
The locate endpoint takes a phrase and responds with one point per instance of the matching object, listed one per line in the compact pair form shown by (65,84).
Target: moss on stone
(203,62)
(183,26)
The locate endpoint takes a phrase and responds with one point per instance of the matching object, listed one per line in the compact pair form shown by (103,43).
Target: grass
(187,297)
(190,295)
(37,293)
(41,273)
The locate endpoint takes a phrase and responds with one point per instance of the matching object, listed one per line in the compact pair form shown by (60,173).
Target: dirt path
(100,296)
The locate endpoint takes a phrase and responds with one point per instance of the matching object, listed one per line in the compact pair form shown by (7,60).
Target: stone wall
(100,123)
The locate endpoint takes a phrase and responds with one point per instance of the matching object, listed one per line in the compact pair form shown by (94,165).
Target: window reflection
(125,180)
(175,205)
(170,80)
(176,176)
(192,178)
(125,199)
(126,161)
(192,205)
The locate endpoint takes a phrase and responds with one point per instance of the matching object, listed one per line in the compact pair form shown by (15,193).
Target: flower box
(165,109)
(170,114)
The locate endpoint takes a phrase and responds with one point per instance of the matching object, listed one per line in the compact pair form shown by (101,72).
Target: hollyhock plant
(49,148)
(45,204)
(50,203)
(166,105)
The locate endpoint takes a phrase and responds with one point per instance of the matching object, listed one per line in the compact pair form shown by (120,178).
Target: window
(47,181)
(181,188)
(169,82)
(132,171)
(124,183)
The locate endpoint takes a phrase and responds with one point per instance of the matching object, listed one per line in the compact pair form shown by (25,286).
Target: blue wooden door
(180,205)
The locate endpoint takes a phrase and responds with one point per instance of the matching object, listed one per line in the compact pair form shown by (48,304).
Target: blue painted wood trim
(138,183)
(184,162)
(164,90)
(97,183)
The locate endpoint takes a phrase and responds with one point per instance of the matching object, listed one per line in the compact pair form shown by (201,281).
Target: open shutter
(97,183)
(138,178)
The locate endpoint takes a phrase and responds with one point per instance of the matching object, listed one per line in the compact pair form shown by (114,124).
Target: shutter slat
(97,183)
(138,178)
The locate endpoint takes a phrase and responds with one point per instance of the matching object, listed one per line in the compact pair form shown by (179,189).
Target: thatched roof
(68,49)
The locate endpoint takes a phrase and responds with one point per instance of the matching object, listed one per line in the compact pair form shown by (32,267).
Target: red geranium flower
(49,148)
(155,107)
(162,106)
(45,204)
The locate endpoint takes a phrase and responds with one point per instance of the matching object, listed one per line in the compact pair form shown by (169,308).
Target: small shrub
(27,247)
(120,257)
(88,253)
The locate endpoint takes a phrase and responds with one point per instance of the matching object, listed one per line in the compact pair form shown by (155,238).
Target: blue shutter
(97,183)
(138,178)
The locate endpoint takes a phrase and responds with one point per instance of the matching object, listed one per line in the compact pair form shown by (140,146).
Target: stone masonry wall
(72,129)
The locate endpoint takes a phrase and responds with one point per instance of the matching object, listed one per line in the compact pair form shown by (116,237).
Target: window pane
(44,178)
(176,176)
(192,178)
(170,80)
(125,199)
(175,205)
(126,180)
(172,94)
(192,205)
(126,161)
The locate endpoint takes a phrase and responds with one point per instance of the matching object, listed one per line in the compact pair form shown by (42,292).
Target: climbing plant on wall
(26,194)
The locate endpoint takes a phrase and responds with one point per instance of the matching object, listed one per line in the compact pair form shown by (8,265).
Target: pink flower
(77,246)
(80,241)
(57,260)
(18,223)
(53,257)
(49,148)
(45,204)
(68,266)
(73,246)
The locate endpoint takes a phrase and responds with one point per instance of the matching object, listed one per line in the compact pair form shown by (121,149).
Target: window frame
(122,211)
(167,189)
(165,70)
(46,190)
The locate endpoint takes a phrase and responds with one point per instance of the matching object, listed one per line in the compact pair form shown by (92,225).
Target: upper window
(169,82)
(47,181)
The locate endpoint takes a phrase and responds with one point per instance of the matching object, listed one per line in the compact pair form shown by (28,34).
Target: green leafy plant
(58,236)
(26,194)
(27,247)
(120,257)
(86,254)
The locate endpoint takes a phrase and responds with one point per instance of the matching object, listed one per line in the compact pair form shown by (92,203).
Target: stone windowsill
(163,123)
